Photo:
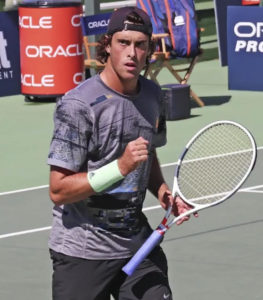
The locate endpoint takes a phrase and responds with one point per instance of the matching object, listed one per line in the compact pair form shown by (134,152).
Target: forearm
(156,180)
(68,187)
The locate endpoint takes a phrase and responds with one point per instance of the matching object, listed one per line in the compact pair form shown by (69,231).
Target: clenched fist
(135,152)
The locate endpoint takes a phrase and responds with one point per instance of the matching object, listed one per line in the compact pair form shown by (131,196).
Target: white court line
(24,190)
(3,236)
(151,207)
(7,235)
(253,191)
(249,189)
(46,186)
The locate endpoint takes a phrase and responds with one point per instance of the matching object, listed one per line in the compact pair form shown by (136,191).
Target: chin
(131,75)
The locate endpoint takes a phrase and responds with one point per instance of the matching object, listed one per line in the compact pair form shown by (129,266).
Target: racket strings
(215,163)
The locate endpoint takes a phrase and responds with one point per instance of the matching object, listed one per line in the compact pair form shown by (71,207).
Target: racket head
(214,164)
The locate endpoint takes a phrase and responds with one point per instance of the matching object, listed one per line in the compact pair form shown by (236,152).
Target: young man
(103,159)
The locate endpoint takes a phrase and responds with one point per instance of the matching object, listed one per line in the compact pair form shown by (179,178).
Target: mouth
(130,66)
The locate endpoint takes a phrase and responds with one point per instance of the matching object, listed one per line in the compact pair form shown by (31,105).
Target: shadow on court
(213,100)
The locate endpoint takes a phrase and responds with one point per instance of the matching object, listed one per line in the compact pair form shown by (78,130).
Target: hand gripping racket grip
(153,240)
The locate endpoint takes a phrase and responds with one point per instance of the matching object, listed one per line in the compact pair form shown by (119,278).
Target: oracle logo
(75,21)
(250,33)
(97,24)
(44,22)
(30,80)
(248,29)
(48,51)
(51,42)
(77,78)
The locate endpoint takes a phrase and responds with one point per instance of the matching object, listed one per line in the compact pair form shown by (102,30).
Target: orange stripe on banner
(188,33)
(142,5)
(145,9)
(169,22)
(152,12)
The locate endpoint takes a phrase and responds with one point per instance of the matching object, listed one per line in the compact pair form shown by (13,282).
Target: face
(128,52)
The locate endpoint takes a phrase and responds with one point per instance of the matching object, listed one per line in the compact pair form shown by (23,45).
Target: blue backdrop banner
(245,47)
(95,24)
(10,78)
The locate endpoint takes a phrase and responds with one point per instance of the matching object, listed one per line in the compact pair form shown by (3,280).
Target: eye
(141,45)
(124,42)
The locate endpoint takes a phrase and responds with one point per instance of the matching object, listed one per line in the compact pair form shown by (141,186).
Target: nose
(131,51)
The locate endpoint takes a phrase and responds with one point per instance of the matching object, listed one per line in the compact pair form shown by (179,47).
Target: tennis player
(103,159)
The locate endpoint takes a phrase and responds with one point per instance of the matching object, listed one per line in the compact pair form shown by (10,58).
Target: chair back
(177,18)
(95,24)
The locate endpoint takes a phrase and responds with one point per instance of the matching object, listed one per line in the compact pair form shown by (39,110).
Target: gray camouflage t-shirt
(93,125)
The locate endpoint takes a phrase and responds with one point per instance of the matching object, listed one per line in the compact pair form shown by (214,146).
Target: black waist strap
(119,213)
(117,200)
(126,220)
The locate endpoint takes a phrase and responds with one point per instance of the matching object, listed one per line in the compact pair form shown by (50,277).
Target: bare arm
(69,187)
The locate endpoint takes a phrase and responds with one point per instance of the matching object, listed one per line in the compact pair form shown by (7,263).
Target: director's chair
(93,25)
(165,56)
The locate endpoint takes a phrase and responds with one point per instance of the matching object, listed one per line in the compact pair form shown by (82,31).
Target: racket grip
(152,241)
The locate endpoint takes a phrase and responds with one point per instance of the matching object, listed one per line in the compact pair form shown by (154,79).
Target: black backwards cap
(119,22)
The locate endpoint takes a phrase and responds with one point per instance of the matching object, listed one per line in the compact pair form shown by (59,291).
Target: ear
(108,48)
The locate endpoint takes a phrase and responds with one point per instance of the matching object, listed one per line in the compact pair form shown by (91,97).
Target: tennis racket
(212,167)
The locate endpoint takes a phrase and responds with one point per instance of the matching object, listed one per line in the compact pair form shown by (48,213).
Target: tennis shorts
(82,279)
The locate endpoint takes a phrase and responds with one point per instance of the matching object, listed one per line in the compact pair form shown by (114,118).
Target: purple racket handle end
(152,241)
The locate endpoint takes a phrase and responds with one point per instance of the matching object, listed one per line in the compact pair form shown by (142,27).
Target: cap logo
(128,24)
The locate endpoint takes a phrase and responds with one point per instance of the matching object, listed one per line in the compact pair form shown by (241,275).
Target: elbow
(56,197)
(56,187)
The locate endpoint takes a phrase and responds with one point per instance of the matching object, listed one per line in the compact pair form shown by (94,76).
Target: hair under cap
(119,22)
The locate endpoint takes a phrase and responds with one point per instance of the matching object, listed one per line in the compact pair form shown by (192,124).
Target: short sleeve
(73,128)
